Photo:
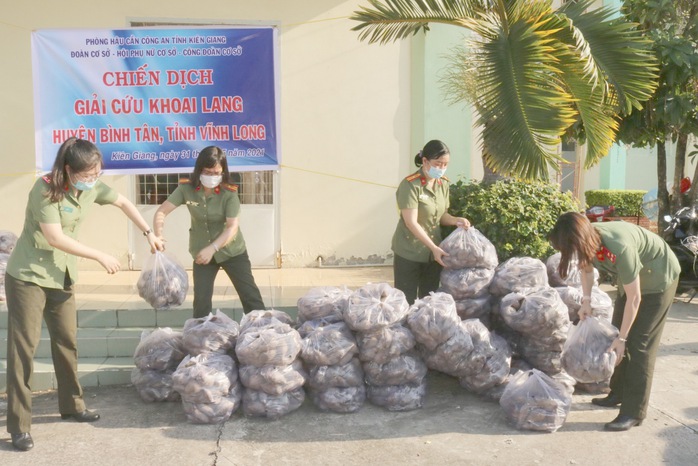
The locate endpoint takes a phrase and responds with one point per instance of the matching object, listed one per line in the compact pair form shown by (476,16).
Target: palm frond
(391,20)
(597,113)
(524,104)
(617,49)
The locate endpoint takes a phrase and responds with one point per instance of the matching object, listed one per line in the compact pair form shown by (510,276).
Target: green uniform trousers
(239,270)
(416,279)
(27,304)
(632,378)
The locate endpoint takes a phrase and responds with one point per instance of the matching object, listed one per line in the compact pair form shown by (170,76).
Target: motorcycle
(682,236)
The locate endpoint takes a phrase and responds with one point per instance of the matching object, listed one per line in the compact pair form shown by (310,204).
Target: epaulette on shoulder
(230,187)
(412,177)
(184,181)
(47,179)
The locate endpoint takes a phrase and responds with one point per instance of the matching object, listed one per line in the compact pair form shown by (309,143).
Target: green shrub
(516,216)
(627,202)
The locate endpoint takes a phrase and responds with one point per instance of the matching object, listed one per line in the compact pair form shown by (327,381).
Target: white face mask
(211,181)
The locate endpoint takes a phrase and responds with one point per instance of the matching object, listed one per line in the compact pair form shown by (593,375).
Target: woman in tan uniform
(647,274)
(423,200)
(40,276)
(215,239)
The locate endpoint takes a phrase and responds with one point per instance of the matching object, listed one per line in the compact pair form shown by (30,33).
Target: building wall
(344,123)
(352,118)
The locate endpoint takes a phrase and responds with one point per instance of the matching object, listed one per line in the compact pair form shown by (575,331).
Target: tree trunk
(662,193)
(490,176)
(676,196)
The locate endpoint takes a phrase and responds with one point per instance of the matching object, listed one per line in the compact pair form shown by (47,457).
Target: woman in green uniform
(215,240)
(647,274)
(40,276)
(423,200)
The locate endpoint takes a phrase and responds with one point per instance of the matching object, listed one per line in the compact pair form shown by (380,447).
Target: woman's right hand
(110,263)
(439,254)
(585,311)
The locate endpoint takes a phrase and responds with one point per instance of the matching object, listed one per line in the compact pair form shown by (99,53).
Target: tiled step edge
(92,372)
(145,318)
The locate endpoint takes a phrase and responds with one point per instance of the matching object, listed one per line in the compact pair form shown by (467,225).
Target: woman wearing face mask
(215,240)
(423,200)
(40,276)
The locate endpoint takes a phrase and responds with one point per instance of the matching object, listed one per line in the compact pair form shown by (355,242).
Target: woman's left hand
(462,222)
(205,255)
(617,347)
(156,243)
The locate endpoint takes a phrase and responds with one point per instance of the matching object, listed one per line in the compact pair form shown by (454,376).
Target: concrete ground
(454,427)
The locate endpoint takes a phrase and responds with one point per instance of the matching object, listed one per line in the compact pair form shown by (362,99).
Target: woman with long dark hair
(647,273)
(215,239)
(40,277)
(422,198)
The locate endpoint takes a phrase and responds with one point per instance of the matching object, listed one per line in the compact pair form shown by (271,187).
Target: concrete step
(92,372)
(132,318)
(107,340)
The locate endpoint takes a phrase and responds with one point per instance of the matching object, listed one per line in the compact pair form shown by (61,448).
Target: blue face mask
(436,172)
(84,186)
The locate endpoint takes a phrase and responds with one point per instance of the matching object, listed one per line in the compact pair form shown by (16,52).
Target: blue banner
(151,99)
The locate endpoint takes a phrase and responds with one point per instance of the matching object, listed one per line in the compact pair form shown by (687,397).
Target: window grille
(253,187)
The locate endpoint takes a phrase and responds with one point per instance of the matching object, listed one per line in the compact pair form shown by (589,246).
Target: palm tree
(539,72)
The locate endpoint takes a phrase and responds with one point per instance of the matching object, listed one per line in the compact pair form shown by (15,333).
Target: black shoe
(609,401)
(85,416)
(622,422)
(22,442)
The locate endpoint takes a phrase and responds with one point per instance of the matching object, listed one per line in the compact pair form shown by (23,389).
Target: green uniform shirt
(208,217)
(431,205)
(629,251)
(33,259)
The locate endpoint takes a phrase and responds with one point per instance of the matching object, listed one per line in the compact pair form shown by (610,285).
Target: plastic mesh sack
(215,412)
(256,403)
(375,305)
(489,363)
(574,275)
(340,399)
(205,378)
(451,356)
(534,401)
(407,368)
(258,319)
(468,248)
(601,303)
(466,283)
(329,345)
(398,397)
(163,282)
(517,273)
(278,344)
(475,308)
(535,311)
(8,241)
(215,333)
(384,344)
(351,374)
(433,319)
(585,355)
(153,386)
(273,380)
(323,302)
(159,350)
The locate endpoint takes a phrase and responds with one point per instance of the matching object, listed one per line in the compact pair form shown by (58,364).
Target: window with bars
(253,187)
